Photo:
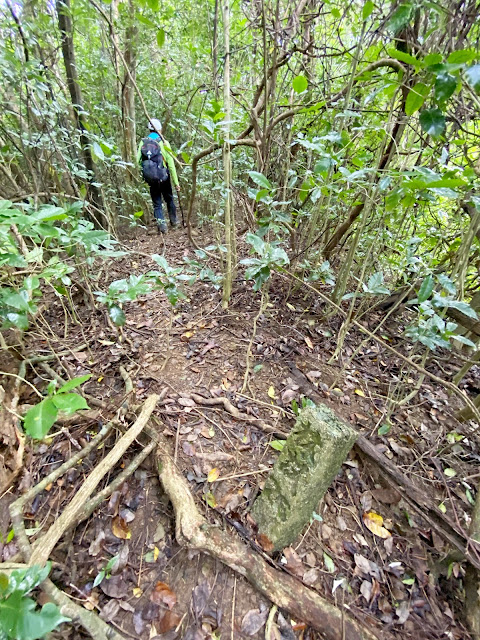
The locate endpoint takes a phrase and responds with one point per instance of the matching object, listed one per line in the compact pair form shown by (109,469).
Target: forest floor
(401,586)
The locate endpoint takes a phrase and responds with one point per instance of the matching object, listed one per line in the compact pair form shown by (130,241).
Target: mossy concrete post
(311,458)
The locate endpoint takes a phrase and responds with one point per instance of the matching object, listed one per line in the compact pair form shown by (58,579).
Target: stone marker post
(311,458)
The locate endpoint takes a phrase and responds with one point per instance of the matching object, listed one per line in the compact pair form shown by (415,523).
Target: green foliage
(106,573)
(436,294)
(40,418)
(271,257)
(20,619)
(433,122)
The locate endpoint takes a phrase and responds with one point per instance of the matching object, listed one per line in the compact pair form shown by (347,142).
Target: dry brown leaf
(168,621)
(294,563)
(308,342)
(120,528)
(186,402)
(163,595)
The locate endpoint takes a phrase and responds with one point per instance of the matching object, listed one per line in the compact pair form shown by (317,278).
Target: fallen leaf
(308,342)
(360,393)
(366,567)
(374,523)
(210,500)
(114,587)
(366,590)
(188,449)
(294,563)
(207,432)
(188,335)
(110,610)
(186,402)
(265,542)
(213,474)
(120,528)
(403,612)
(253,621)
(96,545)
(311,577)
(271,392)
(169,620)
(163,595)
(329,564)
(159,532)
(137,592)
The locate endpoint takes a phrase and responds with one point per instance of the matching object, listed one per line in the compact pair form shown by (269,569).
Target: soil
(405,586)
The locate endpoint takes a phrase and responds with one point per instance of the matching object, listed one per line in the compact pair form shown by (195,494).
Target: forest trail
(198,348)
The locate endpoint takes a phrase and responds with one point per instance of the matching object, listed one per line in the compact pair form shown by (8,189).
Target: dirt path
(196,347)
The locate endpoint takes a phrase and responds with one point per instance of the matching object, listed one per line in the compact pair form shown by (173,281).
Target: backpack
(153,169)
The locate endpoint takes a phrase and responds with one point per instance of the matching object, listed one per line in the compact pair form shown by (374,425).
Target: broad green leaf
(69,402)
(154,5)
(368,7)
(403,57)
(450,473)
(145,21)
(24,580)
(74,383)
(445,85)
(277,444)
(300,84)
(117,315)
(98,151)
(416,97)
(323,164)
(426,289)
(462,56)
(432,58)
(40,418)
(19,618)
(260,179)
(401,17)
(161,37)
(473,76)
(336,13)
(463,307)
(432,122)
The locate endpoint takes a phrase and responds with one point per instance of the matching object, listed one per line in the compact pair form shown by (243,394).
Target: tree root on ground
(288,593)
(43,547)
(232,410)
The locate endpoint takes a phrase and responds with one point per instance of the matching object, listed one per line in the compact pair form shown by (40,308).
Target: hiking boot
(175,224)
(161,227)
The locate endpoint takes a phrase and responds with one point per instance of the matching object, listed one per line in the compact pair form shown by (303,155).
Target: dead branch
(193,531)
(43,547)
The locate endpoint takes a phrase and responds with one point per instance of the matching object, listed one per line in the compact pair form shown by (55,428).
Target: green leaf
(260,179)
(432,122)
(426,289)
(98,151)
(400,18)
(432,58)
(336,13)
(20,620)
(462,56)
(146,21)
(153,4)
(416,97)
(24,580)
(40,418)
(473,76)
(117,315)
(300,84)
(384,429)
(74,383)
(450,473)
(461,306)
(329,564)
(99,578)
(403,57)
(368,7)
(69,402)
(277,444)
(161,38)
(445,85)
(323,164)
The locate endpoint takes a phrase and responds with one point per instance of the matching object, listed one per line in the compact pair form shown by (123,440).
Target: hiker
(155,155)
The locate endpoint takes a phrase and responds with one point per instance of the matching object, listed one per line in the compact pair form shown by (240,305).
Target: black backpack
(153,169)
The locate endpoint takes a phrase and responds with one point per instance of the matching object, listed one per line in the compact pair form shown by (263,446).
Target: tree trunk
(227,166)
(128,92)
(68,51)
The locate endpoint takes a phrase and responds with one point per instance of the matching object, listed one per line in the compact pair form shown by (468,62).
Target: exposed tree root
(193,531)
(232,410)
(43,547)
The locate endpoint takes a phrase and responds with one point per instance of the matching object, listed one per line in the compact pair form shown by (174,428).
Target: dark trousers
(164,189)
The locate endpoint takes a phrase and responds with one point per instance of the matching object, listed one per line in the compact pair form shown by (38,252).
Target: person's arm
(170,162)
